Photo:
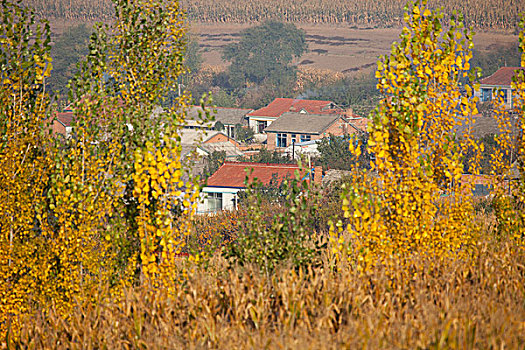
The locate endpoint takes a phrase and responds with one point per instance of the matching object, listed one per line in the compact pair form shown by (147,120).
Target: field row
(490,14)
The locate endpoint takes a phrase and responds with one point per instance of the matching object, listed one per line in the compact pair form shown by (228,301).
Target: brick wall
(338,128)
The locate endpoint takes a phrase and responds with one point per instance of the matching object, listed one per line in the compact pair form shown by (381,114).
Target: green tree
(192,56)
(243,134)
(218,126)
(68,50)
(265,54)
(335,153)
(213,162)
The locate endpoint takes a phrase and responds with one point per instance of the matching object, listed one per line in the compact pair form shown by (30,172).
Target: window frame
(305,137)
(215,201)
(261,125)
(281,140)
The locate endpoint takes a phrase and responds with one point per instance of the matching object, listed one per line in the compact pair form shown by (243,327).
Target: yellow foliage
(413,202)
(68,219)
(508,160)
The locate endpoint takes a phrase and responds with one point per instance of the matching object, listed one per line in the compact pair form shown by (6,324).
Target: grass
(467,304)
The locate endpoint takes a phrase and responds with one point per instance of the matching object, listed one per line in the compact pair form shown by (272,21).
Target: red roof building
(233,174)
(262,117)
(502,77)
(223,186)
(500,81)
(62,123)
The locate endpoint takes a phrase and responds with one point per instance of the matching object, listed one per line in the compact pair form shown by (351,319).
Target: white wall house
(500,81)
(214,199)
(222,188)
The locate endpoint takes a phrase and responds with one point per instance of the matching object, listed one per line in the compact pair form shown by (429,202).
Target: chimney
(318,174)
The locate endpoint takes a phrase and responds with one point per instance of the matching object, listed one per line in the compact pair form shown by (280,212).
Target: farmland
(344,36)
(335,47)
(488,15)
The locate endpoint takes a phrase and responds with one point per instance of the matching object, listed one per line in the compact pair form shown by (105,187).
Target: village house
(501,80)
(222,188)
(261,118)
(293,128)
(219,142)
(228,117)
(62,123)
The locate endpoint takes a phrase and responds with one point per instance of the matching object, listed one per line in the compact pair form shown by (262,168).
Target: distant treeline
(485,14)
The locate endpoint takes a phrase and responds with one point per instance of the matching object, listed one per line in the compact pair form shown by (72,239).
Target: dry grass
(335,47)
(471,304)
(488,14)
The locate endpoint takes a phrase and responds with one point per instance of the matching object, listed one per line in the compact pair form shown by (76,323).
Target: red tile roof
(283,105)
(232,174)
(503,76)
(65,118)
(360,123)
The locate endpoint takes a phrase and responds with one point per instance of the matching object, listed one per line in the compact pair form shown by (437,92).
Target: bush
(287,238)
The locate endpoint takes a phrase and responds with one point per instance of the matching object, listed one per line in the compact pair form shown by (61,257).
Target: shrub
(285,238)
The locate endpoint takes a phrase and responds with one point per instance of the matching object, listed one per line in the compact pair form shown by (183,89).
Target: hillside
(486,15)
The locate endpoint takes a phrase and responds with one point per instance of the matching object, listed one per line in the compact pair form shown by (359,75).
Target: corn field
(490,14)
(456,305)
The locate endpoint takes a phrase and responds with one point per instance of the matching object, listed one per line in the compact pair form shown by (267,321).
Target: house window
(294,138)
(504,94)
(261,125)
(486,95)
(306,138)
(481,190)
(231,131)
(214,202)
(281,140)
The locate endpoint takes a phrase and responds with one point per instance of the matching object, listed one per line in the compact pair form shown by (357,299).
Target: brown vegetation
(492,14)
(466,304)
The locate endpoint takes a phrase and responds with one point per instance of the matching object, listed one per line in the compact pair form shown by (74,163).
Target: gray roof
(301,123)
(227,116)
(228,147)
(486,125)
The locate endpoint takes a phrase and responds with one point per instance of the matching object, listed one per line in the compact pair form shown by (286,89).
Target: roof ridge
(261,164)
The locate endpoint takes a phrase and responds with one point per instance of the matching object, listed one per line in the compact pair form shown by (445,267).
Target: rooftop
(229,116)
(65,118)
(486,125)
(228,147)
(283,105)
(359,123)
(502,76)
(233,174)
(301,123)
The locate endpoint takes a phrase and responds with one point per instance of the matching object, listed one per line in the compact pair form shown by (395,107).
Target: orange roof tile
(360,123)
(283,105)
(232,174)
(502,76)
(65,118)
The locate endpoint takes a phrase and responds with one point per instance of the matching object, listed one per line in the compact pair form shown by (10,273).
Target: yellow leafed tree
(113,201)
(413,201)
(24,165)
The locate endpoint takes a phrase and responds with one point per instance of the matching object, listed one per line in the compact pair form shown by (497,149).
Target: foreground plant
(287,237)
(97,208)
(414,203)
